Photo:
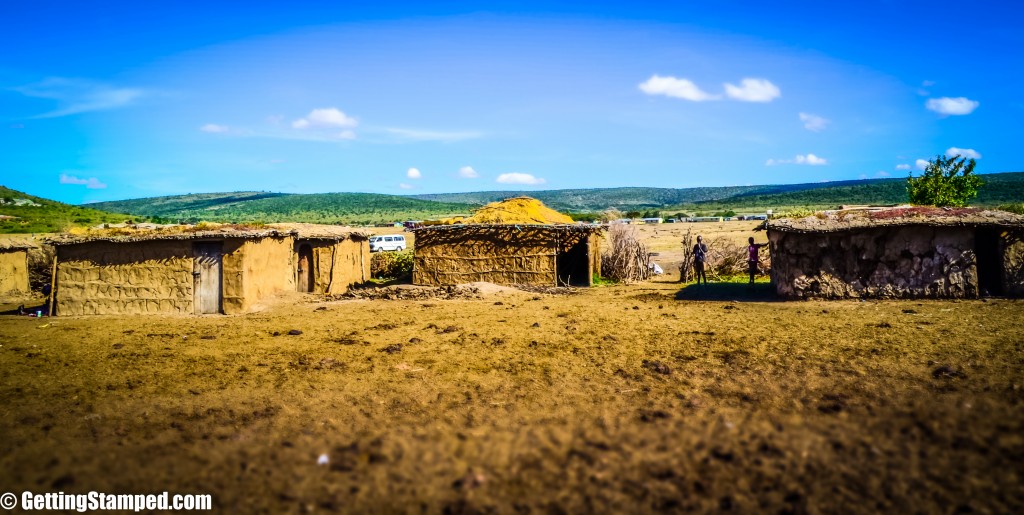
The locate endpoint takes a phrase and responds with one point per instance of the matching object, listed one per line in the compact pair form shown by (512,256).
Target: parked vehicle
(387,242)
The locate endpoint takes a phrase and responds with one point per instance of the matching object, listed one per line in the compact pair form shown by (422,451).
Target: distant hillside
(370,208)
(596,199)
(1000,188)
(38,215)
(325,208)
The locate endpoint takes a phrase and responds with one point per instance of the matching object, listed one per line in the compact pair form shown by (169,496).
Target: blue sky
(109,100)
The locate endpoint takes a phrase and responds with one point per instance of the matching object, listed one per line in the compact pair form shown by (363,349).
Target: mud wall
(135,278)
(888,262)
(255,270)
(459,256)
(13,272)
(338,265)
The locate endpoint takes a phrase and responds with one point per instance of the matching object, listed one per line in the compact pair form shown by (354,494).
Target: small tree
(946,182)
(610,214)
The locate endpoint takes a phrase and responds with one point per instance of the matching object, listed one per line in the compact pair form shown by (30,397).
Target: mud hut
(329,259)
(13,268)
(171,271)
(903,252)
(515,241)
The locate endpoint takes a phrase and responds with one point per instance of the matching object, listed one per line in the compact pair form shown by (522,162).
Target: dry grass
(618,399)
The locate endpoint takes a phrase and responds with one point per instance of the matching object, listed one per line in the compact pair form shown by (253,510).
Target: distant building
(902,252)
(652,220)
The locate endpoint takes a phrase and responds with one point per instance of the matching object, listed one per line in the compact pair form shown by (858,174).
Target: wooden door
(305,272)
(206,271)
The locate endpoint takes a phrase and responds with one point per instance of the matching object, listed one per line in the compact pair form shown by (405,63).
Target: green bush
(947,182)
(1013,208)
(391,265)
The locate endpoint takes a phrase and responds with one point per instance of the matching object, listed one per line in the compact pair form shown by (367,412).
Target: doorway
(304,272)
(207,275)
(573,265)
(989,261)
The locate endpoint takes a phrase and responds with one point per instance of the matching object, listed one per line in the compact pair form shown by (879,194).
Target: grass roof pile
(518,210)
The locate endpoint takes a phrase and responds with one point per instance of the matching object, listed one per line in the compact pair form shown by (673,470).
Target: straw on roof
(927,216)
(322,232)
(518,210)
(8,245)
(168,232)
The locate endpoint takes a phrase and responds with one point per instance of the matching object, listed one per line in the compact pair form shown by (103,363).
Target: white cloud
(413,173)
(467,172)
(92,183)
(813,122)
(969,153)
(921,164)
(882,173)
(952,106)
(519,178)
(753,90)
(405,186)
(809,159)
(80,96)
(903,166)
(927,83)
(676,88)
(326,119)
(442,136)
(331,117)
(214,128)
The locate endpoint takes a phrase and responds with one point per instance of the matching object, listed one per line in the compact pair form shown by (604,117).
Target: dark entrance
(305,271)
(989,257)
(206,274)
(574,265)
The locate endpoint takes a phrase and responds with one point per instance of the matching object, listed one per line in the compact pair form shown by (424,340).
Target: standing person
(700,255)
(752,257)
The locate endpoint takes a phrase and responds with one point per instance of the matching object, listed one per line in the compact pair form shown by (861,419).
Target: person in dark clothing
(700,256)
(752,257)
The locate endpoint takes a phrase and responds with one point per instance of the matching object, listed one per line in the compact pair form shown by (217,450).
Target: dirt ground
(616,399)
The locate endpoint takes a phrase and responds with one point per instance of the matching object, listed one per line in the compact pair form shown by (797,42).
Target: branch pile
(627,260)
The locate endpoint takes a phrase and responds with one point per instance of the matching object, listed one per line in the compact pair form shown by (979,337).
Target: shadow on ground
(23,308)
(742,292)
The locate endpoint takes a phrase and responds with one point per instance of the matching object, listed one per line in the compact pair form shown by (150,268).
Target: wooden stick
(53,284)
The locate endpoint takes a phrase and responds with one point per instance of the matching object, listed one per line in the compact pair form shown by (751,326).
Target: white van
(387,242)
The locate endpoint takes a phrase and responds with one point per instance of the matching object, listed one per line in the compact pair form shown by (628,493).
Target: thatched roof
(901,216)
(123,234)
(483,228)
(9,246)
(516,210)
(322,232)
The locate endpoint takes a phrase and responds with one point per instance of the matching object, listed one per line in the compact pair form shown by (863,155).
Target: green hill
(324,208)
(999,189)
(33,214)
(370,208)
